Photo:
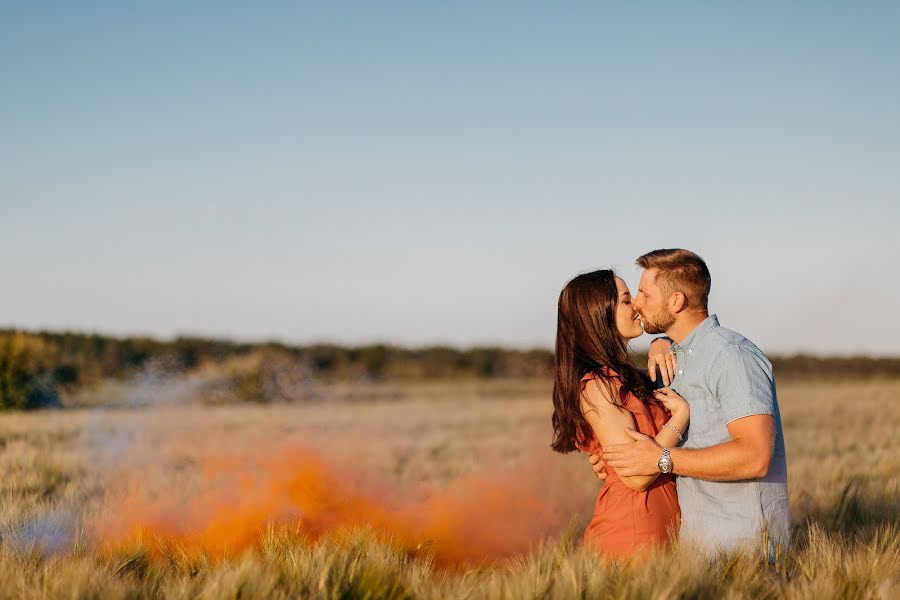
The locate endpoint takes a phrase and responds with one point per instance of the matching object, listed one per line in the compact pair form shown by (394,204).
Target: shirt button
(690,350)
(681,371)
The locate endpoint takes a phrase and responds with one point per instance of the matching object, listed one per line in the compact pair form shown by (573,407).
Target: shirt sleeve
(744,383)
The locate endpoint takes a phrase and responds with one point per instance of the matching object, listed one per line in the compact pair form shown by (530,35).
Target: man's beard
(660,323)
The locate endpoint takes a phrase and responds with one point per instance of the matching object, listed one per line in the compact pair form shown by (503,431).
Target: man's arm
(746,456)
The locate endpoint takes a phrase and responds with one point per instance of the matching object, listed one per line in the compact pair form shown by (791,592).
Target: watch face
(665,465)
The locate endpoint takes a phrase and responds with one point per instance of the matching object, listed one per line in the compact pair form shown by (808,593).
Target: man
(732,485)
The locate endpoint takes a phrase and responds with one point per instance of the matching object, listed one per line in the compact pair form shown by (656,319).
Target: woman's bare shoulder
(597,396)
(607,420)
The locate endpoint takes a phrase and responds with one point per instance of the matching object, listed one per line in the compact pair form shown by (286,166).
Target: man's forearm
(731,461)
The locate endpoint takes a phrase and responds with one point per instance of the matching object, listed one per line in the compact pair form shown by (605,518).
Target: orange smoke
(232,500)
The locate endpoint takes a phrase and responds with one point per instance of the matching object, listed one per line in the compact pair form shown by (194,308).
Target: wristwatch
(665,462)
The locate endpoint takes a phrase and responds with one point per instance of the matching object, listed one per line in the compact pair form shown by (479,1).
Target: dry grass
(844,474)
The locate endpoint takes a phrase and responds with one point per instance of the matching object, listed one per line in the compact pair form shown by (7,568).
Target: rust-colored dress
(624,519)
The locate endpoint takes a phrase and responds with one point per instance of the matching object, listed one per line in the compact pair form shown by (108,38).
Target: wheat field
(444,490)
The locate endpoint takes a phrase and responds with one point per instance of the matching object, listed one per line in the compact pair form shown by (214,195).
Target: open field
(412,490)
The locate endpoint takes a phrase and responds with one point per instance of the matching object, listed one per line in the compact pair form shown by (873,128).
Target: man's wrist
(665,461)
(677,455)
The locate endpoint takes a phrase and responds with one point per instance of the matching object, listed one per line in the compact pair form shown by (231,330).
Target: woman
(598,392)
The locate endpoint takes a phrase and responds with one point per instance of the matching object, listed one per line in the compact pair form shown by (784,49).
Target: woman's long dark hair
(588,341)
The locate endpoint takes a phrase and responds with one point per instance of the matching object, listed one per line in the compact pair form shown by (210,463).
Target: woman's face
(627,321)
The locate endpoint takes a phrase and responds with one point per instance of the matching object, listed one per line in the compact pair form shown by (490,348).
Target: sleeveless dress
(626,520)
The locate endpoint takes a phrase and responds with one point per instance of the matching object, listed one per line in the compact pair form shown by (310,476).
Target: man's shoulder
(723,337)
(726,344)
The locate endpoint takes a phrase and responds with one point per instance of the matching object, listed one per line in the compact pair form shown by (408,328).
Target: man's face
(651,304)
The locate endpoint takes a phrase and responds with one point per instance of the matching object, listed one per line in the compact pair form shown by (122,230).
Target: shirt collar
(699,332)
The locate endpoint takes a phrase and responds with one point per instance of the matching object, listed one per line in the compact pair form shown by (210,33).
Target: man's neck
(684,326)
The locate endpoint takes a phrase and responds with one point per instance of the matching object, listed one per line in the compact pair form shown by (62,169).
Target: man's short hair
(680,271)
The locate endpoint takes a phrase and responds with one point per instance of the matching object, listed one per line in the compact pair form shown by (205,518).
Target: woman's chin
(638,333)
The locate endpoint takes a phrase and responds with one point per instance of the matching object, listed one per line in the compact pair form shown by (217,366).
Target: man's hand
(638,458)
(599,466)
(660,355)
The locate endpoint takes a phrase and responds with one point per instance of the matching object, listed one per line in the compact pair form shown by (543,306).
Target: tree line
(37,367)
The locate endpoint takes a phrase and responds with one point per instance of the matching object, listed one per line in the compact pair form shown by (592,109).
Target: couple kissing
(702,458)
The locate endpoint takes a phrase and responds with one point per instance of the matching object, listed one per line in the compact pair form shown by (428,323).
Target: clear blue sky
(417,172)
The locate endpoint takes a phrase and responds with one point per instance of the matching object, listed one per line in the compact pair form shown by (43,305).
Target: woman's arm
(679,417)
(609,423)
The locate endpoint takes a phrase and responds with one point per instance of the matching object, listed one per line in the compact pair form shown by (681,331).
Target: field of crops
(445,490)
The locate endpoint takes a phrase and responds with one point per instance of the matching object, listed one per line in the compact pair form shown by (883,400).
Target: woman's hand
(660,355)
(673,402)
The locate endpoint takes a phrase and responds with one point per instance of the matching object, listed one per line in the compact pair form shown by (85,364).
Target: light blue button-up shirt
(724,377)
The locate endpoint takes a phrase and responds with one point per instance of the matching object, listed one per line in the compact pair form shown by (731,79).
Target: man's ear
(678,302)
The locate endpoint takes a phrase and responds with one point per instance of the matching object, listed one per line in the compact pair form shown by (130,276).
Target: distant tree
(36,368)
(25,380)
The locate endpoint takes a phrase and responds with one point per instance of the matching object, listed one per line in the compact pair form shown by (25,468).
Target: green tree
(26,381)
